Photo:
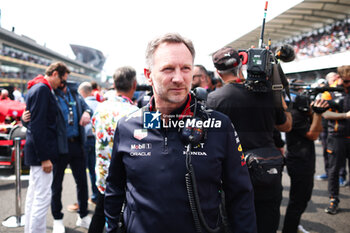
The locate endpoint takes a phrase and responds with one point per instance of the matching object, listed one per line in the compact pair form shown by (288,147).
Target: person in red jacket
(96,91)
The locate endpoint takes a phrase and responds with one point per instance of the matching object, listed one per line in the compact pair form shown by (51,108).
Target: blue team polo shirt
(63,99)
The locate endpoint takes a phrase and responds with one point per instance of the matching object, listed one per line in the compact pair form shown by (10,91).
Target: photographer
(301,156)
(151,163)
(254,116)
(338,141)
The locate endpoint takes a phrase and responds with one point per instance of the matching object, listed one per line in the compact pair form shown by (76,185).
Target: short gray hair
(167,38)
(85,87)
(124,78)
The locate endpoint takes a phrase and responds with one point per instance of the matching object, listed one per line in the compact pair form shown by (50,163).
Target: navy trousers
(76,160)
(90,153)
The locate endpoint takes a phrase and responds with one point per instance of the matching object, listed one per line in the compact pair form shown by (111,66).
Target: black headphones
(191,133)
(192,136)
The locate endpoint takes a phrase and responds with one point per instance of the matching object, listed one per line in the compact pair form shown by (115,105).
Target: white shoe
(302,230)
(58,226)
(83,222)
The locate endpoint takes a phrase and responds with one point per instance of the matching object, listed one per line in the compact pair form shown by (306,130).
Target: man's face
(171,74)
(58,80)
(346,82)
(198,75)
(333,79)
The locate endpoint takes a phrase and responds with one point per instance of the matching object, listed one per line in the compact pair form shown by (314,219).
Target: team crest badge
(140,134)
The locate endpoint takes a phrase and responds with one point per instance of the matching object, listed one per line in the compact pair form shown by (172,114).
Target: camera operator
(254,116)
(338,141)
(301,156)
(151,163)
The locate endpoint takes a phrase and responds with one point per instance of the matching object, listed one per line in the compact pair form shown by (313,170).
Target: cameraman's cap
(226,58)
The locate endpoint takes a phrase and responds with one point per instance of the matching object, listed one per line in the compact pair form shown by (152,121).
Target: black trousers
(98,219)
(338,151)
(342,168)
(267,202)
(323,136)
(76,159)
(268,214)
(301,186)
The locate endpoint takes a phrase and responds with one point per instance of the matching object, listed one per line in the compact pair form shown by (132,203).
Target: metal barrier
(18,219)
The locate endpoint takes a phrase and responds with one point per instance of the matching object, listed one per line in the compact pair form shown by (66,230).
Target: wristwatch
(89,111)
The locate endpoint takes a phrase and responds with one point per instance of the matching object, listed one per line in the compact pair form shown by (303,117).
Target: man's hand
(284,104)
(47,166)
(85,119)
(319,106)
(26,116)
(347,115)
(281,149)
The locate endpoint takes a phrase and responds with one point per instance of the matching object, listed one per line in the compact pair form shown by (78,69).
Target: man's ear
(147,74)
(219,74)
(55,73)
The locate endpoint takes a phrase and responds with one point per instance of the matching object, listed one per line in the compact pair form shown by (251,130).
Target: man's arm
(87,112)
(25,118)
(239,195)
(329,115)
(46,164)
(38,107)
(287,125)
(316,125)
(315,128)
(103,127)
(115,187)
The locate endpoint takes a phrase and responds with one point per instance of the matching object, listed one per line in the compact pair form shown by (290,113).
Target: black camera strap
(279,82)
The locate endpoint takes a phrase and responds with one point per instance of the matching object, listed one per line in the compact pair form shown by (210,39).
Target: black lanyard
(70,107)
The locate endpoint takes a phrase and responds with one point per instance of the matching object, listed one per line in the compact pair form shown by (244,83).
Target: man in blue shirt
(73,115)
(85,90)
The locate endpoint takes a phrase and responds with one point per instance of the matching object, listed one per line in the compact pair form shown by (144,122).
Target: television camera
(263,68)
(303,94)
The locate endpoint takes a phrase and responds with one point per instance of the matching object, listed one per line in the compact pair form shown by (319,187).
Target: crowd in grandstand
(325,41)
(16,53)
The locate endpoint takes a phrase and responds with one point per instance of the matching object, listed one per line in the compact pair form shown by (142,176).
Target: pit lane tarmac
(313,220)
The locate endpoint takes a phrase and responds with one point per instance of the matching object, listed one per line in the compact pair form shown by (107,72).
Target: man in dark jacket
(301,157)
(73,115)
(41,144)
(155,156)
(255,117)
(338,141)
